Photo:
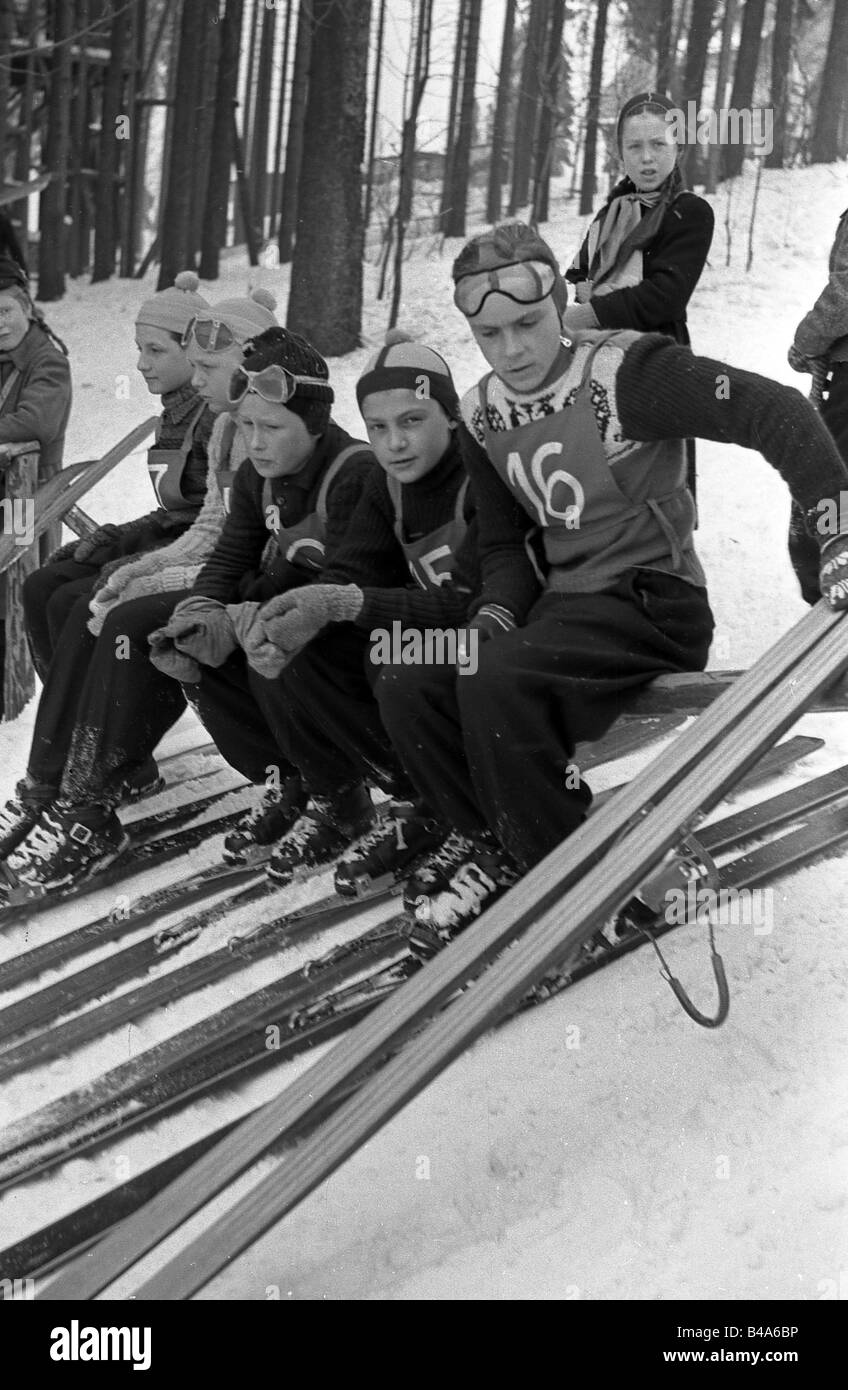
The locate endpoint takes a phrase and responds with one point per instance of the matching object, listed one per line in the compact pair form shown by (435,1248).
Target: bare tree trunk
(665,57)
(834,90)
(110,149)
(529,100)
(276,184)
(700,29)
(420,74)
(454,224)
(294,142)
(134,161)
(496,164)
(177,248)
(781,58)
(550,116)
(78,247)
(747,58)
(261,121)
(375,114)
(218,185)
(7,29)
(713,157)
(19,212)
(51,249)
(251,29)
(450,135)
(325,303)
(207,76)
(587,188)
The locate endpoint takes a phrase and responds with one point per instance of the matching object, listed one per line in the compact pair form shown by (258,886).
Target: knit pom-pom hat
(277,346)
(402,363)
(173,309)
(507,244)
(246,317)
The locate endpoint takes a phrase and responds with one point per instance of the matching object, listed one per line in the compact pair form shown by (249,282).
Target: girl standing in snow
(645,250)
(104,707)
(178,461)
(408,561)
(585,442)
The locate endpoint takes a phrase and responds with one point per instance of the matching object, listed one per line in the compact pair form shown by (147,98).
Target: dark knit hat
(279,346)
(402,363)
(12,275)
(654,103)
(508,244)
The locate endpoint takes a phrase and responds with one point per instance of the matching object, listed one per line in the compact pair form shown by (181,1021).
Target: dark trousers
(104,706)
(242,713)
(50,594)
(494,749)
(804,547)
(330,723)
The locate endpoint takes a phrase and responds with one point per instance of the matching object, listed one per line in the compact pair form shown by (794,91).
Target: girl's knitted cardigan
(176,566)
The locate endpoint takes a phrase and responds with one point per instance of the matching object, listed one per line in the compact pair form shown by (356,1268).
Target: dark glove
(99,547)
(833,574)
(65,552)
(492,620)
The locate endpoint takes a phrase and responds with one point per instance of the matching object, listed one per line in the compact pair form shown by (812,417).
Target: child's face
(14,323)
(408,434)
(278,442)
(162,361)
(212,373)
(648,149)
(520,342)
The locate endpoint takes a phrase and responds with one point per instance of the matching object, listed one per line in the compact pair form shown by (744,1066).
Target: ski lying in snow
(46,1007)
(313,1020)
(555,908)
(234,1038)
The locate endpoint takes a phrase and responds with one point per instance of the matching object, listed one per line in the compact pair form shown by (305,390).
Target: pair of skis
(554,910)
(329,995)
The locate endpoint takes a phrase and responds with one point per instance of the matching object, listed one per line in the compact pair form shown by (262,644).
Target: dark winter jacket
(673,262)
(372,558)
(39,401)
(823,332)
(240,547)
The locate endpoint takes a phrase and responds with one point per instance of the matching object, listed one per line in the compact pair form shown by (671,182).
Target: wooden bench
(31,512)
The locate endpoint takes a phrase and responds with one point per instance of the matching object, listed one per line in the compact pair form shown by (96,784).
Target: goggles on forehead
(276,385)
(212,335)
(526,282)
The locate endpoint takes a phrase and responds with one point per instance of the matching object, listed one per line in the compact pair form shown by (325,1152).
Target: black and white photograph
(423,592)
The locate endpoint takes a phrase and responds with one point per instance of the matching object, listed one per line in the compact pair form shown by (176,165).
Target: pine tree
(833,98)
(741,97)
(496,166)
(593,105)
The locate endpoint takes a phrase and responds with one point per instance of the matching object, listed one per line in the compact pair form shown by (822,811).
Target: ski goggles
(525,282)
(212,335)
(277,385)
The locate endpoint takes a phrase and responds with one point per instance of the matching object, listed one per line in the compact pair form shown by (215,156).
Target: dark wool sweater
(372,558)
(672,267)
(659,391)
(239,550)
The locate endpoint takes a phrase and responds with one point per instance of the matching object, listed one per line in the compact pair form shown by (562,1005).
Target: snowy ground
(654,1160)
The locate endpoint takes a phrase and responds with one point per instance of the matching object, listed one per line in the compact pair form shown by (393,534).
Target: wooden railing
(30,512)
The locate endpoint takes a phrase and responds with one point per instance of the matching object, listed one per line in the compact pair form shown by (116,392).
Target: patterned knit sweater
(650,390)
(176,566)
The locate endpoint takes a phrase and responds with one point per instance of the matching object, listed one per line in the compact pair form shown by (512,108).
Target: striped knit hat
(402,363)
